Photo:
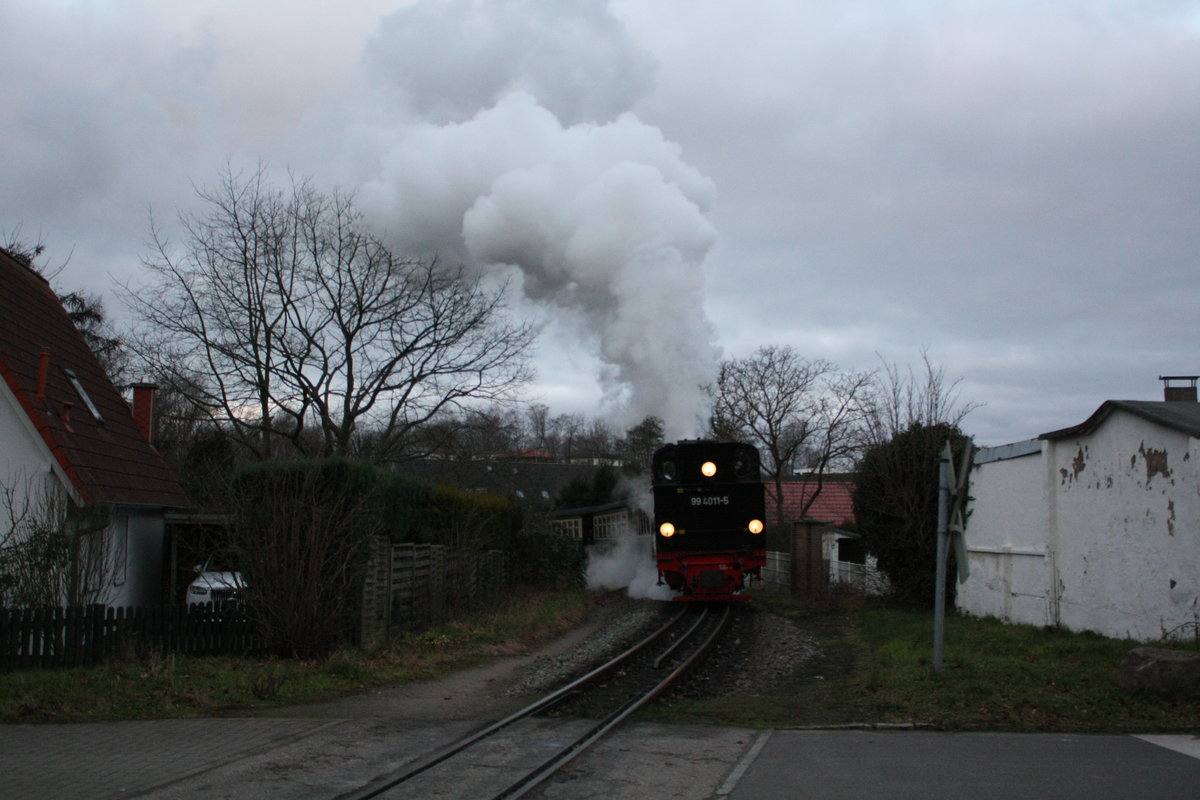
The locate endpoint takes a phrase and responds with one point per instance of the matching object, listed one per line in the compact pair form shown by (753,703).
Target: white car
(212,586)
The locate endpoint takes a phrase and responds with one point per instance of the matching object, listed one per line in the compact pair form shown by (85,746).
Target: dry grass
(179,686)
(875,666)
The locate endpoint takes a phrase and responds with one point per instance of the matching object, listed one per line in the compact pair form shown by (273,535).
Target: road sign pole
(943,536)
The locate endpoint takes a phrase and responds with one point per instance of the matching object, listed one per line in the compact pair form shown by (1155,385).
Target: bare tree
(596,441)
(900,399)
(486,432)
(538,419)
(791,408)
(285,320)
(565,430)
(53,552)
(638,446)
(28,252)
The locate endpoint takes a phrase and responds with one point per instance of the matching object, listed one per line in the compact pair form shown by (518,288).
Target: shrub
(472,521)
(300,535)
(542,557)
(895,507)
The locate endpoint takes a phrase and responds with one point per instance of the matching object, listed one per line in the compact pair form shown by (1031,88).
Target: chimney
(1175,393)
(143,409)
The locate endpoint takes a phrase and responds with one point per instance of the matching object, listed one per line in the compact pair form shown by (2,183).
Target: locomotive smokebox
(709,508)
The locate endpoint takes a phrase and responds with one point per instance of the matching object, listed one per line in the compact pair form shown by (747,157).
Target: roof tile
(834,501)
(108,462)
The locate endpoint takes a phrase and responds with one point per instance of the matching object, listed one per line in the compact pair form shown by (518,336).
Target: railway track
(521,751)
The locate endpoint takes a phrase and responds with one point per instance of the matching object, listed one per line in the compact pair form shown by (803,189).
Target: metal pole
(943,537)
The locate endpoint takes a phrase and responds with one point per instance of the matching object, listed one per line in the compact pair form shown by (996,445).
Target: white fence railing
(862,577)
(778,569)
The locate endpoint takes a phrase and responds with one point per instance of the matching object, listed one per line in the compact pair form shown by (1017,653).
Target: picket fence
(84,635)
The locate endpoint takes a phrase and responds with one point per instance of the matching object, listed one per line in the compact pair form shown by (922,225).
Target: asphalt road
(825,765)
(315,758)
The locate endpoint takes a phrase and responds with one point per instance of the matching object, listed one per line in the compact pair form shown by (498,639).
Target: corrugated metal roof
(1004,452)
(106,457)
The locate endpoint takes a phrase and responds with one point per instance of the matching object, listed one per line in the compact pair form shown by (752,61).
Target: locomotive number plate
(710,500)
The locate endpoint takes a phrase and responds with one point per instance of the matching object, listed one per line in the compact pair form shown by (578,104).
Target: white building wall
(25,460)
(1011,561)
(1127,512)
(1099,532)
(136,538)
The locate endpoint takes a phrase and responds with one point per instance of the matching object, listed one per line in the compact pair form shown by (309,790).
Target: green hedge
(301,527)
(299,536)
(375,500)
(542,557)
(896,508)
(472,520)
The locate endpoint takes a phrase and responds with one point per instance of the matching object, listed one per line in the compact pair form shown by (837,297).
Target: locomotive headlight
(708,469)
(667,530)
(755,526)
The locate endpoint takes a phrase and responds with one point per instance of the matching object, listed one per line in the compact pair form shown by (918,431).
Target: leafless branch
(288,321)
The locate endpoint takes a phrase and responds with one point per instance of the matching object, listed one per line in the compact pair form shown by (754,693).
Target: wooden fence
(407,587)
(86,635)
(413,586)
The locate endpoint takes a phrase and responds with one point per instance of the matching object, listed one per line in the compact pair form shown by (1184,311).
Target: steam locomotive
(708,518)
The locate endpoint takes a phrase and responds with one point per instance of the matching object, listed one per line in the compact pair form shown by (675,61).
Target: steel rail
(679,642)
(536,776)
(383,783)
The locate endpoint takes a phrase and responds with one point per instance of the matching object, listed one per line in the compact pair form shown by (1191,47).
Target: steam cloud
(626,563)
(510,144)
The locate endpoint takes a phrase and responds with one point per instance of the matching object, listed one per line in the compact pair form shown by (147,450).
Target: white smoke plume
(626,562)
(505,140)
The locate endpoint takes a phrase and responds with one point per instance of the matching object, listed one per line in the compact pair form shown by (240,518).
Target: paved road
(979,766)
(307,758)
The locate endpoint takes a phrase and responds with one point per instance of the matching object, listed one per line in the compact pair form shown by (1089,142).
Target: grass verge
(875,666)
(180,686)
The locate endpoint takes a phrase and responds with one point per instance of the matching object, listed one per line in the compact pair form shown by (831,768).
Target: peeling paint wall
(1128,567)
(1117,520)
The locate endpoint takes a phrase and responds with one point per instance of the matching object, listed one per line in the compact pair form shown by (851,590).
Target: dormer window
(83,395)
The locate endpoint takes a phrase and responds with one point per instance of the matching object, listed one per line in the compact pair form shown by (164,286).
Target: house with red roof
(833,502)
(829,503)
(68,433)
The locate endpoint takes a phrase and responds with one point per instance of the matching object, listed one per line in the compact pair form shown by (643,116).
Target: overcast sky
(1013,185)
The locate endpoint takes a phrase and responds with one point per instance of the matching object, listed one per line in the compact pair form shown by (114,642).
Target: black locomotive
(708,518)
